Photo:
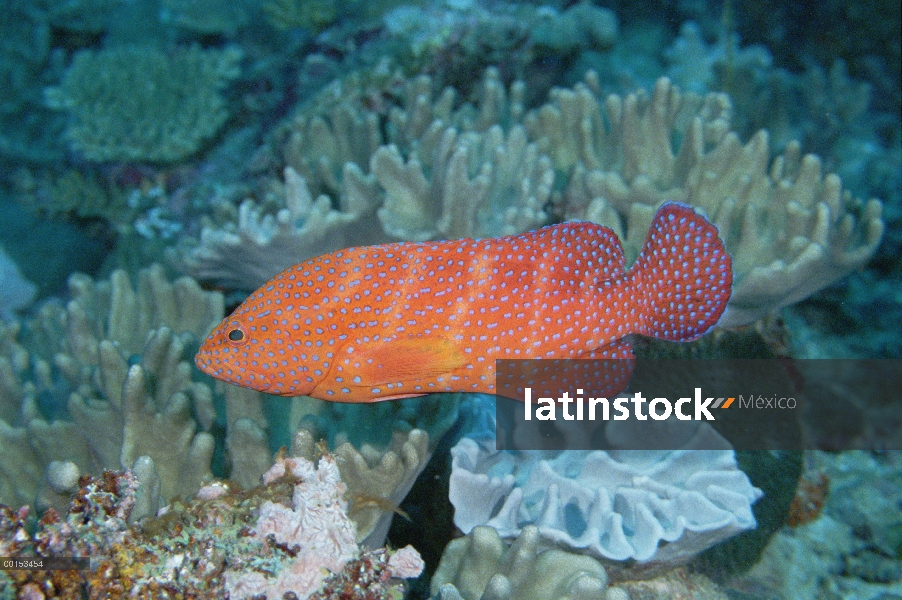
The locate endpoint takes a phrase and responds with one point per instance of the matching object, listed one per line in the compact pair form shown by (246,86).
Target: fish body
(405,319)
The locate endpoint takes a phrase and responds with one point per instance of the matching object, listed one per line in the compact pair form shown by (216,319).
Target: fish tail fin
(683,276)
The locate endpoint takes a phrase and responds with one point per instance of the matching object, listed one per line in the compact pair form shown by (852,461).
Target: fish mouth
(242,377)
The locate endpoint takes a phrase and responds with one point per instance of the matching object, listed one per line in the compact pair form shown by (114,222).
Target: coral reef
(482,182)
(316,526)
(377,481)
(17,292)
(260,244)
(481,566)
(581,26)
(28,131)
(367,122)
(141,104)
(287,14)
(695,66)
(444,170)
(851,547)
(290,535)
(113,361)
(208,17)
(498,181)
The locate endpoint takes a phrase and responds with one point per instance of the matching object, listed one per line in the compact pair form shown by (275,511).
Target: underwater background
(161,159)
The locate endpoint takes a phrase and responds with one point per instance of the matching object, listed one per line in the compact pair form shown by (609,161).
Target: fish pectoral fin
(405,360)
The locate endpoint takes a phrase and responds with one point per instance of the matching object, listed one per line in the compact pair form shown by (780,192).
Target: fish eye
(236,335)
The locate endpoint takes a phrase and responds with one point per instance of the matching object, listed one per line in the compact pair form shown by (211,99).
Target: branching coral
(498,181)
(104,384)
(791,229)
(141,104)
(249,252)
(114,357)
(427,180)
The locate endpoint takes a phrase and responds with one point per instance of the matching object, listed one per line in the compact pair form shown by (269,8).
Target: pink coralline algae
(316,530)
(406,563)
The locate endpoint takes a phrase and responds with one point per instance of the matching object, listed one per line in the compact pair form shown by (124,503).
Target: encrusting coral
(377,480)
(441,168)
(316,525)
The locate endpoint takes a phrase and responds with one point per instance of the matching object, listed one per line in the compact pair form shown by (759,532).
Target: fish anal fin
(405,360)
(397,397)
(620,349)
(612,368)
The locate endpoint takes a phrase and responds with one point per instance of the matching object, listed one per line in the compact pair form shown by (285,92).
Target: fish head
(228,354)
(240,353)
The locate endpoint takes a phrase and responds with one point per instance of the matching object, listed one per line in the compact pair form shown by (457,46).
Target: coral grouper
(400,320)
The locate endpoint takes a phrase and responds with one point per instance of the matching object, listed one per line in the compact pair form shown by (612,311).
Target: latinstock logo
(624,408)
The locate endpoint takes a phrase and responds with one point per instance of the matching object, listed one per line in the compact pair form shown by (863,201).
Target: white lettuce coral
(654,507)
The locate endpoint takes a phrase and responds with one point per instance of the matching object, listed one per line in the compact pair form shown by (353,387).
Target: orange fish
(406,319)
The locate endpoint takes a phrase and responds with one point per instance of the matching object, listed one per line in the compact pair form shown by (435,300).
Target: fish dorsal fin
(416,358)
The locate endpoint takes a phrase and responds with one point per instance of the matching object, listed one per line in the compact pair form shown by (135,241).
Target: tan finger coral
(245,254)
(481,566)
(115,357)
(439,169)
(499,181)
(791,229)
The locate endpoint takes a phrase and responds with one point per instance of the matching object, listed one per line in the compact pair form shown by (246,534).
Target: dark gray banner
(746,404)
